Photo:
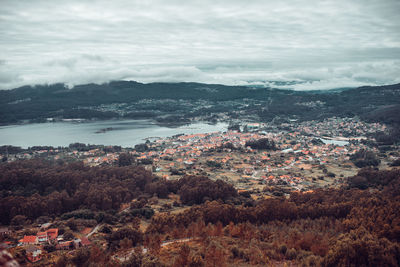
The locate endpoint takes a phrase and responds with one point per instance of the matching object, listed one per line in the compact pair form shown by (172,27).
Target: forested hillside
(347,226)
(128,99)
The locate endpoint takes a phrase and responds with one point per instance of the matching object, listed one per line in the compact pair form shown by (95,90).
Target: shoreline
(124,133)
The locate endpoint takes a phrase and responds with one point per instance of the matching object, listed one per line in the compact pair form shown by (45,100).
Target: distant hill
(129,99)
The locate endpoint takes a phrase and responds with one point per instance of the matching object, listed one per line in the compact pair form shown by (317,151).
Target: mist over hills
(166,102)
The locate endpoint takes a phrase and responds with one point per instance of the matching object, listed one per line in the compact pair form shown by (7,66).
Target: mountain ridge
(93,101)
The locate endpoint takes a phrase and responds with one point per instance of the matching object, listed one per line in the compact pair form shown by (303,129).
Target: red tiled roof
(29,239)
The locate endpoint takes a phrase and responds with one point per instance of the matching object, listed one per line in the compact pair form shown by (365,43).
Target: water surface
(334,142)
(125,133)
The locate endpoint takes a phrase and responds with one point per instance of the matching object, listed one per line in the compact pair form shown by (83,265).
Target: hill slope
(129,99)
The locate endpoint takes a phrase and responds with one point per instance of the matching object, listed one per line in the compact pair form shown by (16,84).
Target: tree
(361,248)
(81,256)
(151,261)
(183,256)
(18,220)
(125,159)
(364,158)
(196,261)
(97,255)
(68,235)
(215,255)
(359,182)
(197,189)
(154,243)
(135,259)
(49,247)
(71,223)
(105,229)
(263,143)
(20,255)
(62,261)
(125,243)
(134,235)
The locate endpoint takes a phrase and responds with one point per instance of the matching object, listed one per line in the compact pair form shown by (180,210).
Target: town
(304,155)
(262,159)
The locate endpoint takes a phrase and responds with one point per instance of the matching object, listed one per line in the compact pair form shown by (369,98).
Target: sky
(297,44)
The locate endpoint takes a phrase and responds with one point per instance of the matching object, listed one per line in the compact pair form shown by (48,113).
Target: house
(28,240)
(47,236)
(33,253)
(42,237)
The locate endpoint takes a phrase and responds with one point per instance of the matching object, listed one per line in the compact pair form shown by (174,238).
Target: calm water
(124,133)
(334,142)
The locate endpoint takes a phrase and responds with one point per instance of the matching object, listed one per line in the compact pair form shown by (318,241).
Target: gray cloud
(322,44)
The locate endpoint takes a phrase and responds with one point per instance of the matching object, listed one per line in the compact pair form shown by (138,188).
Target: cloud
(324,44)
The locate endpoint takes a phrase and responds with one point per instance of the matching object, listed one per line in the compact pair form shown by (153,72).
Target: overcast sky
(321,44)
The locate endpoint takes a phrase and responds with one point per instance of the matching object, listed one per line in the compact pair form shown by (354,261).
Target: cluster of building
(227,153)
(301,149)
(34,244)
(304,155)
(300,152)
(338,127)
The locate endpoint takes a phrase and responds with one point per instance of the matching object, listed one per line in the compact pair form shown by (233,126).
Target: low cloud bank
(96,69)
(323,45)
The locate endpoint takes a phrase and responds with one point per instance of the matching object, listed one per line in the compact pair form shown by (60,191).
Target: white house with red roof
(47,236)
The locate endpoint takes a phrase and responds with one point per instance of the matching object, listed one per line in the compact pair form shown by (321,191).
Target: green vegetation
(262,144)
(183,101)
(364,158)
(41,188)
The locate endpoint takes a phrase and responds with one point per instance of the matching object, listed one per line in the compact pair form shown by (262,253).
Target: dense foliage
(356,225)
(39,188)
(335,227)
(364,158)
(262,143)
(56,101)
